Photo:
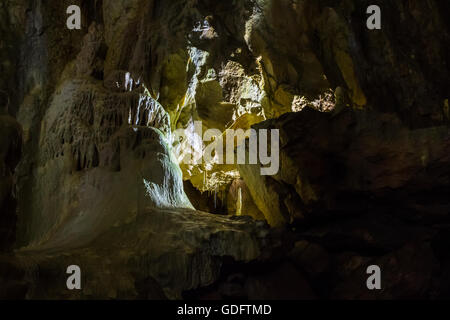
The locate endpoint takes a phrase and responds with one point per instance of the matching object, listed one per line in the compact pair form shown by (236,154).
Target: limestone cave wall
(91,173)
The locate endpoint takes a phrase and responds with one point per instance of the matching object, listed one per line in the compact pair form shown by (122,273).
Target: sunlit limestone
(189,147)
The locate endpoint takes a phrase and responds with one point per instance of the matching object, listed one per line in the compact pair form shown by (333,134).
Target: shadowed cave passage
(89,174)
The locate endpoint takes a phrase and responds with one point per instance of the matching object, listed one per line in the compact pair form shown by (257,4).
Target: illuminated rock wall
(363,117)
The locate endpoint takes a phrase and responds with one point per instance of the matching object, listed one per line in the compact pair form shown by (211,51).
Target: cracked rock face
(91,114)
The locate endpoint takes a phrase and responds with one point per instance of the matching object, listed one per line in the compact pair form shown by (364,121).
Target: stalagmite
(239,202)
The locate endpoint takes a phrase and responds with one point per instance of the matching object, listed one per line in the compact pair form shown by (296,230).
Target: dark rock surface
(159,254)
(10,151)
(364,161)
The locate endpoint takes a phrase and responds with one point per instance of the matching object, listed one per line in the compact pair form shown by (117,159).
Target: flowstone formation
(92,115)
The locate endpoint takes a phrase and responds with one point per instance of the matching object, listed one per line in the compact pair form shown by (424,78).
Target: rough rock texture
(394,152)
(10,151)
(157,255)
(364,176)
(352,162)
(98,167)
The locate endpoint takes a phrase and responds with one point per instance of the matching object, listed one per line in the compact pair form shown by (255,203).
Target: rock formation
(364,175)
(10,150)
